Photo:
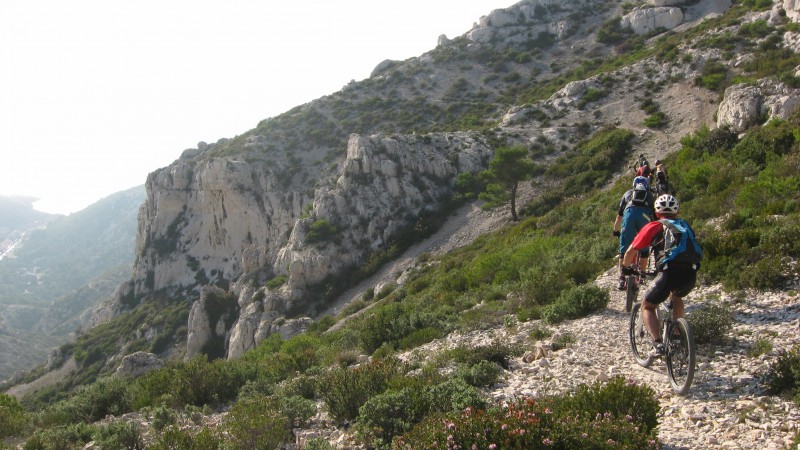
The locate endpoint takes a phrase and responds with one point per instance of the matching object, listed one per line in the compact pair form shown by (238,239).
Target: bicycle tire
(631,292)
(640,339)
(681,356)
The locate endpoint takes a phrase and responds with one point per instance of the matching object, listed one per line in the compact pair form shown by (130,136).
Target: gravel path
(726,407)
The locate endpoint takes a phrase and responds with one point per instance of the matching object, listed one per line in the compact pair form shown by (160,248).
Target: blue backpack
(680,245)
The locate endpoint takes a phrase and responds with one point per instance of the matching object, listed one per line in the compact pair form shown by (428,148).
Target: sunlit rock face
(237,222)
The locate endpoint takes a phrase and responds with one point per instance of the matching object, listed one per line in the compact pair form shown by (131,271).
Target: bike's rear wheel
(680,356)
(640,339)
(631,292)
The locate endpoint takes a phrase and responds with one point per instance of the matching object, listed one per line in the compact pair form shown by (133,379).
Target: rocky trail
(726,407)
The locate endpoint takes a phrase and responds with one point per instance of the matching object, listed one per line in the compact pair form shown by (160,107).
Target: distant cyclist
(661,184)
(634,212)
(679,257)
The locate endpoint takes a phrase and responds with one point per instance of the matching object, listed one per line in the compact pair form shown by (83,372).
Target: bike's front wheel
(640,339)
(681,356)
(631,292)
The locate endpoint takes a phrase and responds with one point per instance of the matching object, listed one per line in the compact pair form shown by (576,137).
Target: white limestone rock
(138,364)
(740,108)
(643,21)
(792,8)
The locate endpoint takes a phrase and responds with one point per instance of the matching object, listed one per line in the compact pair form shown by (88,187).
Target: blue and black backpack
(680,244)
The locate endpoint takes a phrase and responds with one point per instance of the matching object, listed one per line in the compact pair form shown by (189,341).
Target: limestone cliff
(237,222)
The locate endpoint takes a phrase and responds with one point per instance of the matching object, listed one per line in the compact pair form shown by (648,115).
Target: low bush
(107,396)
(783,375)
(576,302)
(497,352)
(397,411)
(391,413)
(60,437)
(345,390)
(761,346)
(483,374)
(580,421)
(256,423)
(120,434)
(13,418)
(710,323)
(656,120)
(186,439)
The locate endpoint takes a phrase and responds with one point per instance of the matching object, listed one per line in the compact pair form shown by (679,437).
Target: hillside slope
(726,407)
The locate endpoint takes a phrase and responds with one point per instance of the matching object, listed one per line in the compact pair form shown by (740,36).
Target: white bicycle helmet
(666,204)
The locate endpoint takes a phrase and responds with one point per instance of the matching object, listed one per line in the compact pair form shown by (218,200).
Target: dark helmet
(640,180)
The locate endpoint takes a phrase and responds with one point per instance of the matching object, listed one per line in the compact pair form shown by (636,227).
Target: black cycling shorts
(678,280)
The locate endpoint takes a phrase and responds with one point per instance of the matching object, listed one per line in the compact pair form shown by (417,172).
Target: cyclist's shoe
(621,286)
(658,349)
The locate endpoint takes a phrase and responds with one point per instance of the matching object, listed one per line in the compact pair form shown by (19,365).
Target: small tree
(509,166)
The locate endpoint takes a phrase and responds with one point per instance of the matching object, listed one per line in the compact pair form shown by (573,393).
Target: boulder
(643,21)
(291,327)
(740,108)
(792,8)
(138,364)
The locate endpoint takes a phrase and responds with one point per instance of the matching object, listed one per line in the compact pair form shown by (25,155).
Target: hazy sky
(94,95)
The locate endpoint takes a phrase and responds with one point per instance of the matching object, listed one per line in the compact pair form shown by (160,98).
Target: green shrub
(321,231)
(302,385)
(120,434)
(176,438)
(90,403)
(711,322)
(656,120)
(761,346)
(59,437)
(497,352)
(483,374)
(201,382)
(783,375)
(583,421)
(163,416)
(454,394)
(345,390)
(296,409)
(576,302)
(256,423)
(318,444)
(12,416)
(276,282)
(618,397)
(391,413)
(713,76)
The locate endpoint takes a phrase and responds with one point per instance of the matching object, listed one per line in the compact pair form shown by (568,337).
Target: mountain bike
(679,349)
(634,280)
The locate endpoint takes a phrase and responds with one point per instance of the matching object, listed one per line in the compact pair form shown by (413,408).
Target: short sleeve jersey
(647,235)
(626,198)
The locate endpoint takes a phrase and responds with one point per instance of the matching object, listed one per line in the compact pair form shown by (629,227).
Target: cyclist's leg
(677,306)
(681,281)
(650,319)
(657,293)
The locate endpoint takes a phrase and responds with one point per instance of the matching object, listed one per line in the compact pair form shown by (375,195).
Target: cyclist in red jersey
(676,277)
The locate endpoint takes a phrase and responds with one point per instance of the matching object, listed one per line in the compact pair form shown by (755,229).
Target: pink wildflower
(547,441)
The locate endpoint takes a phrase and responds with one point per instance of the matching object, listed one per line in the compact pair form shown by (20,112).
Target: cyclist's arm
(642,240)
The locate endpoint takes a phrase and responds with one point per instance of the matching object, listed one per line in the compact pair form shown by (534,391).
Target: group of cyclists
(647,218)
